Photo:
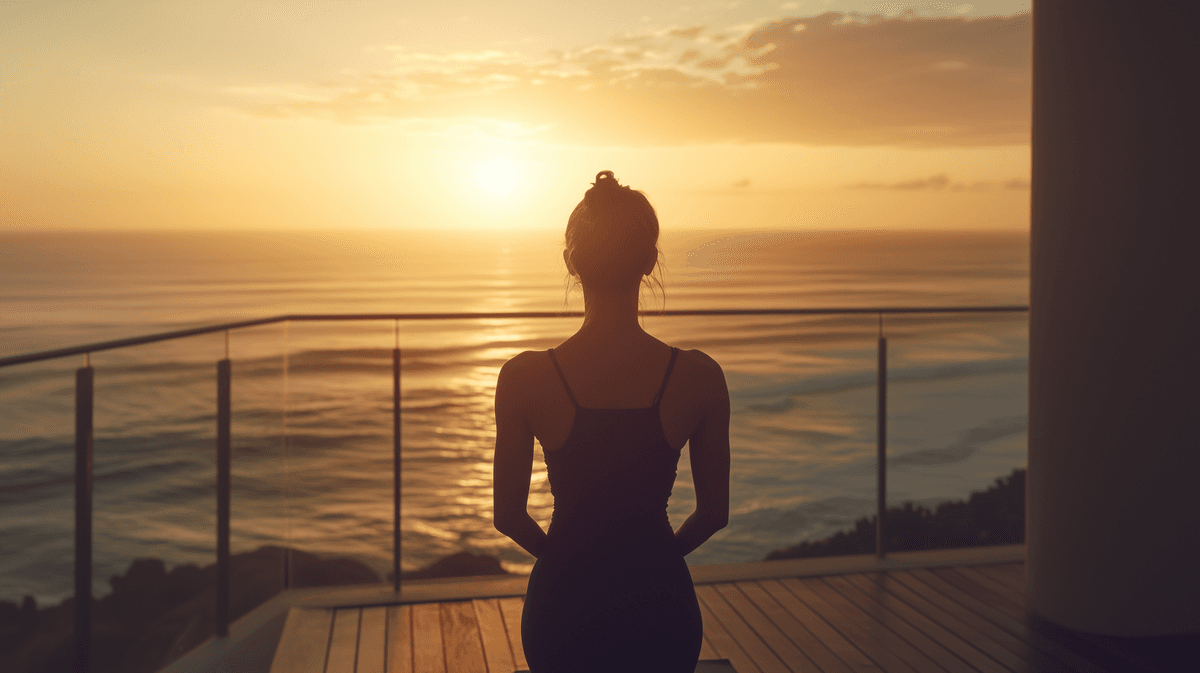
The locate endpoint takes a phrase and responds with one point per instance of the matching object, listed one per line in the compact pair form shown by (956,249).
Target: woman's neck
(611,313)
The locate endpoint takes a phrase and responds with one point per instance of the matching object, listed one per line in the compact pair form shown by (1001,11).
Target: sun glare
(498,176)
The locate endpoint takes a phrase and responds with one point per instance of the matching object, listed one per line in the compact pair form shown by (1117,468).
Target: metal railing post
(287,549)
(223,488)
(881,438)
(396,467)
(83,519)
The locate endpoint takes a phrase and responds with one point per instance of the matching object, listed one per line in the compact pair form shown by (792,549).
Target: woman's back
(611,590)
(614,472)
(612,407)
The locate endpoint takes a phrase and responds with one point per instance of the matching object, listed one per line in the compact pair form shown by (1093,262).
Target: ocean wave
(779,394)
(972,439)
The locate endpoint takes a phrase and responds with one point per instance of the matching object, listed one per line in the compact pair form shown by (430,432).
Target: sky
(168,115)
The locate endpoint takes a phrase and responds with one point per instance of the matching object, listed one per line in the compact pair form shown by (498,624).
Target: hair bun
(606,180)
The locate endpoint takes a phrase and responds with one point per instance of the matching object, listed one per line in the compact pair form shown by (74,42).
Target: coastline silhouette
(612,407)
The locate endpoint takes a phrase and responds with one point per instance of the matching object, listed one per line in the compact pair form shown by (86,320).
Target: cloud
(828,79)
(941,182)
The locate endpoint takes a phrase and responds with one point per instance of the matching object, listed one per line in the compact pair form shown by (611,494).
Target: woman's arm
(710,462)
(513,461)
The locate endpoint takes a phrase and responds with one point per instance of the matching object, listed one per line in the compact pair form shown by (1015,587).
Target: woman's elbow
(505,522)
(501,524)
(715,520)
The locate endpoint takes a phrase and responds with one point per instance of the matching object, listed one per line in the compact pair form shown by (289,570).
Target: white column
(1113,522)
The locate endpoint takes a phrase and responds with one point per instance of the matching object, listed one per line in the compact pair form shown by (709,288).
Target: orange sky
(364,114)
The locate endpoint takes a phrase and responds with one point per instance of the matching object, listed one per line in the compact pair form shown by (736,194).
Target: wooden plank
(724,643)
(372,640)
(897,626)
(999,574)
(838,565)
(428,654)
(399,641)
(1016,570)
(995,601)
(706,651)
(873,622)
(1012,597)
(461,639)
(950,651)
(878,604)
(822,658)
(747,637)
(866,634)
(343,644)
(897,635)
(496,648)
(304,642)
(511,609)
(1035,658)
(846,651)
(792,656)
(978,633)
(973,597)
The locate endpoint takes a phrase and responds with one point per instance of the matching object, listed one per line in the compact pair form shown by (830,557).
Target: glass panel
(37,466)
(957,421)
(155,454)
(450,371)
(323,486)
(802,434)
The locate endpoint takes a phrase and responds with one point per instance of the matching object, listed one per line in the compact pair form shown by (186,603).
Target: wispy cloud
(941,182)
(828,79)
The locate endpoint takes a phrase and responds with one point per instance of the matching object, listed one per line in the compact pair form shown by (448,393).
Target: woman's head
(612,237)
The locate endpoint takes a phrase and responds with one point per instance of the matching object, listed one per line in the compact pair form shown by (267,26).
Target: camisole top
(612,477)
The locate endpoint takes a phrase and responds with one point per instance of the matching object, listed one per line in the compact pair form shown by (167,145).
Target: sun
(499,176)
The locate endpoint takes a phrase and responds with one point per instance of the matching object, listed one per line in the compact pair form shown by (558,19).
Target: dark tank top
(611,590)
(613,475)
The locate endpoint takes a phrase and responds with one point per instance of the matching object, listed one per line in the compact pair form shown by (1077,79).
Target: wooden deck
(967,618)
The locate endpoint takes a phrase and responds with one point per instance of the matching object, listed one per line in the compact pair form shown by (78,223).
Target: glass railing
(333,430)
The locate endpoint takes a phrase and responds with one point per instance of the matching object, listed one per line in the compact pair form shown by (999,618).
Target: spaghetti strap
(666,377)
(563,378)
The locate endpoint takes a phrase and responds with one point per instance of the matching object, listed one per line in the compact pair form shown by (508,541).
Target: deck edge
(263,626)
(841,565)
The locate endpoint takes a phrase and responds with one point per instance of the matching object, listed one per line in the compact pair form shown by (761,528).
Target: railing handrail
(481,315)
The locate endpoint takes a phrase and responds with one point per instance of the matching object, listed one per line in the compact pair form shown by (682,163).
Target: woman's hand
(512,464)
(709,452)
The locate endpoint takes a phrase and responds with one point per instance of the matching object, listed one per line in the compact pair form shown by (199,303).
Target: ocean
(312,445)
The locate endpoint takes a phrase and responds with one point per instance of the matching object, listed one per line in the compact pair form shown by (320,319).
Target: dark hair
(612,235)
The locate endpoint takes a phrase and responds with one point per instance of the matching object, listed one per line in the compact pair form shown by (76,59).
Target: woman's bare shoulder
(526,359)
(700,369)
(523,369)
(700,362)
(699,358)
(525,363)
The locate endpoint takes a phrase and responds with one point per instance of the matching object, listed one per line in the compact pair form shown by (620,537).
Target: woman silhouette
(612,407)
